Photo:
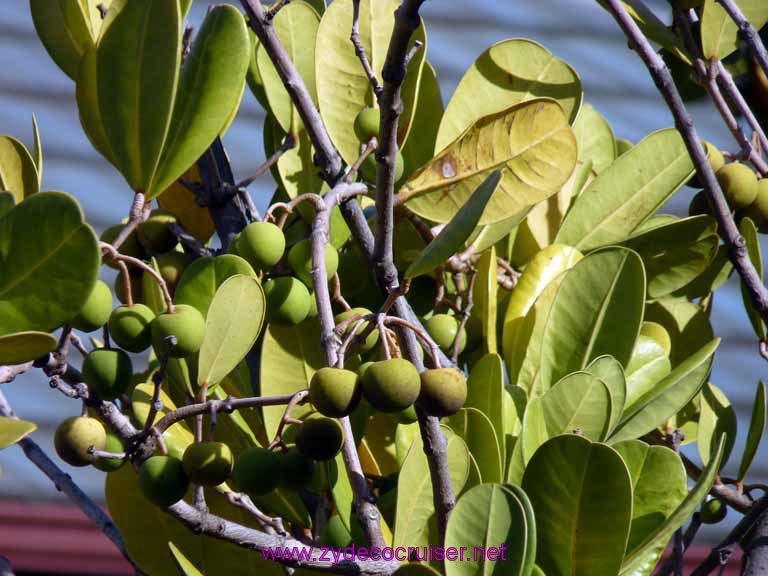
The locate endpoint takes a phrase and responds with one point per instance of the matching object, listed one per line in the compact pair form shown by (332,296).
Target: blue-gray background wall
(578,31)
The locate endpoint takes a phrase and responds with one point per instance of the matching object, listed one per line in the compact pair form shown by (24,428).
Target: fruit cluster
(746,194)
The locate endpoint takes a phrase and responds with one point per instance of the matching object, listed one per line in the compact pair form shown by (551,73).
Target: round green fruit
(262,244)
(156,234)
(370,340)
(334,392)
(107,372)
(391,385)
(114,445)
(162,480)
(367,123)
(716,161)
(443,391)
(443,328)
(335,534)
(208,463)
(739,184)
(129,247)
(96,310)
(713,511)
(296,471)
(130,327)
(320,438)
(288,300)
(171,266)
(758,210)
(186,324)
(300,260)
(257,471)
(368,168)
(75,436)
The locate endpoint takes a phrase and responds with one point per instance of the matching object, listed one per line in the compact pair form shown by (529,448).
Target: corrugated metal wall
(576,30)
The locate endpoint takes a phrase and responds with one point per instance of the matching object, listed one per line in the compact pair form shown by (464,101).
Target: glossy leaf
(210,87)
(581,494)
(580,401)
(520,141)
(749,231)
(647,366)
(289,358)
(12,430)
(756,431)
(204,277)
(485,299)
(87,96)
(611,373)
(685,322)
(486,236)
(653,501)
(23,347)
(137,75)
(720,34)
(507,73)
(628,192)
(543,269)
(18,173)
(485,387)
(415,506)
(182,563)
(456,232)
(668,396)
(343,89)
(534,431)
(65,30)
(595,137)
(232,325)
(598,310)
(490,515)
(50,260)
(417,151)
(476,429)
(683,512)
(717,419)
(296,26)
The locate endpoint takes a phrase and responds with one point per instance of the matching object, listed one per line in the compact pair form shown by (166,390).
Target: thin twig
(288,143)
(114,254)
(747,32)
(354,37)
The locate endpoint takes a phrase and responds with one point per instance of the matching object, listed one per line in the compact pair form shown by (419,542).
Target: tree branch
(736,244)
(747,32)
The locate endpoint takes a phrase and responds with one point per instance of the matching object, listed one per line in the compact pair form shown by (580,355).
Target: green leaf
(581,494)
(486,301)
(25,346)
(18,173)
(209,92)
(343,89)
(611,373)
(417,151)
(595,138)
(182,563)
(150,290)
(675,254)
(37,151)
(416,569)
(749,231)
(683,512)
(290,356)
(539,273)
(415,506)
(456,232)
(485,387)
(486,236)
(597,310)
(507,73)
(712,278)
(668,396)
(720,34)
(520,141)
(476,429)
(489,516)
(654,28)
(232,325)
(534,430)
(87,95)
(137,75)
(685,322)
(50,261)
(756,431)
(12,430)
(647,366)
(628,192)
(296,26)
(580,401)
(653,501)
(204,277)
(717,419)
(65,30)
